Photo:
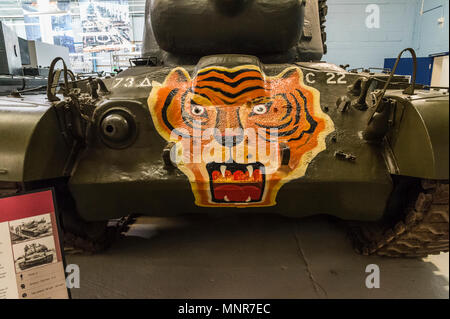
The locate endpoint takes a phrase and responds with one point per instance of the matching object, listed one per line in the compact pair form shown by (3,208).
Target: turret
(275,31)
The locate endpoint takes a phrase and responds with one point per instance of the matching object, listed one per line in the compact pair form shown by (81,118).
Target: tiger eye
(198,110)
(259,109)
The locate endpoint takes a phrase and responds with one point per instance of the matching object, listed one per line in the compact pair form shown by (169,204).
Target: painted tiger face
(239,135)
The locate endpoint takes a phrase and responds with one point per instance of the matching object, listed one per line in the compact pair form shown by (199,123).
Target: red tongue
(236,193)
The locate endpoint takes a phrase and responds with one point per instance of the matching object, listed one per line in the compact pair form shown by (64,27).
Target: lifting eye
(259,109)
(118,129)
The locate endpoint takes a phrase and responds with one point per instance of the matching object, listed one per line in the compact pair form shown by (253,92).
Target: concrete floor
(249,257)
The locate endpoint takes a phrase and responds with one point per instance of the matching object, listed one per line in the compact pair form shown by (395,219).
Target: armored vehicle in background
(35,255)
(22,63)
(35,228)
(231,110)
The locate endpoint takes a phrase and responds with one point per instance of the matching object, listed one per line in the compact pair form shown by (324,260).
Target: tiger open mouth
(236,183)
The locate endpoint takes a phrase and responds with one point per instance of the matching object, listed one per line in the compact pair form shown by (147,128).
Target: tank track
(323,11)
(82,243)
(74,244)
(422,230)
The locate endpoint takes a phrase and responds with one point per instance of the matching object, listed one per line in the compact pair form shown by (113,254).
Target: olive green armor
(226,77)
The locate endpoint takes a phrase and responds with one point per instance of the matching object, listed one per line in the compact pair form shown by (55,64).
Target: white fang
(223,169)
(250,170)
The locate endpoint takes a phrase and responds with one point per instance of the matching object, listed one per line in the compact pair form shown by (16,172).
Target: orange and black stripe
(229,87)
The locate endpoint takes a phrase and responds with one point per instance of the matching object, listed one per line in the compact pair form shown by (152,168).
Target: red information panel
(31,262)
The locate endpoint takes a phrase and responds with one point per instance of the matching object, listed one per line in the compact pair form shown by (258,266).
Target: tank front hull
(36,262)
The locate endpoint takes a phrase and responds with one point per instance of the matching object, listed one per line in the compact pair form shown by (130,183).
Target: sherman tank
(230,110)
(35,255)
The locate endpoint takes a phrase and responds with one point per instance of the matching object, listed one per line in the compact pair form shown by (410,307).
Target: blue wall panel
(405,67)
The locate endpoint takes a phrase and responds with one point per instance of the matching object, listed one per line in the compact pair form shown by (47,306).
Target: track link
(422,230)
(323,11)
(113,230)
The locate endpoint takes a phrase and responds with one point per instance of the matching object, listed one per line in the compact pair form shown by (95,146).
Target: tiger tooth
(250,170)
(226,198)
(223,168)
(248,199)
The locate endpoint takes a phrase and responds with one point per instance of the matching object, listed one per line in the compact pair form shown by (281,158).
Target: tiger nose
(230,138)
(228,131)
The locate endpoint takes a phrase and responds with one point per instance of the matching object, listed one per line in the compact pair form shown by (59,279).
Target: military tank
(231,110)
(35,228)
(35,255)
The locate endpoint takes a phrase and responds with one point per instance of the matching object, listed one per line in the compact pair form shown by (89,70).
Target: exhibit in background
(105,29)
(49,21)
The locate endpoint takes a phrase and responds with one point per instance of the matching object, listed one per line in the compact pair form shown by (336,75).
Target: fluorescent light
(12,17)
(41,13)
(20,24)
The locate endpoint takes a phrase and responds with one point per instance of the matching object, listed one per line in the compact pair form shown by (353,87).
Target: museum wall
(430,35)
(350,40)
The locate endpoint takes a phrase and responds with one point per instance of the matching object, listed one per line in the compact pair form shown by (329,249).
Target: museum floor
(249,257)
